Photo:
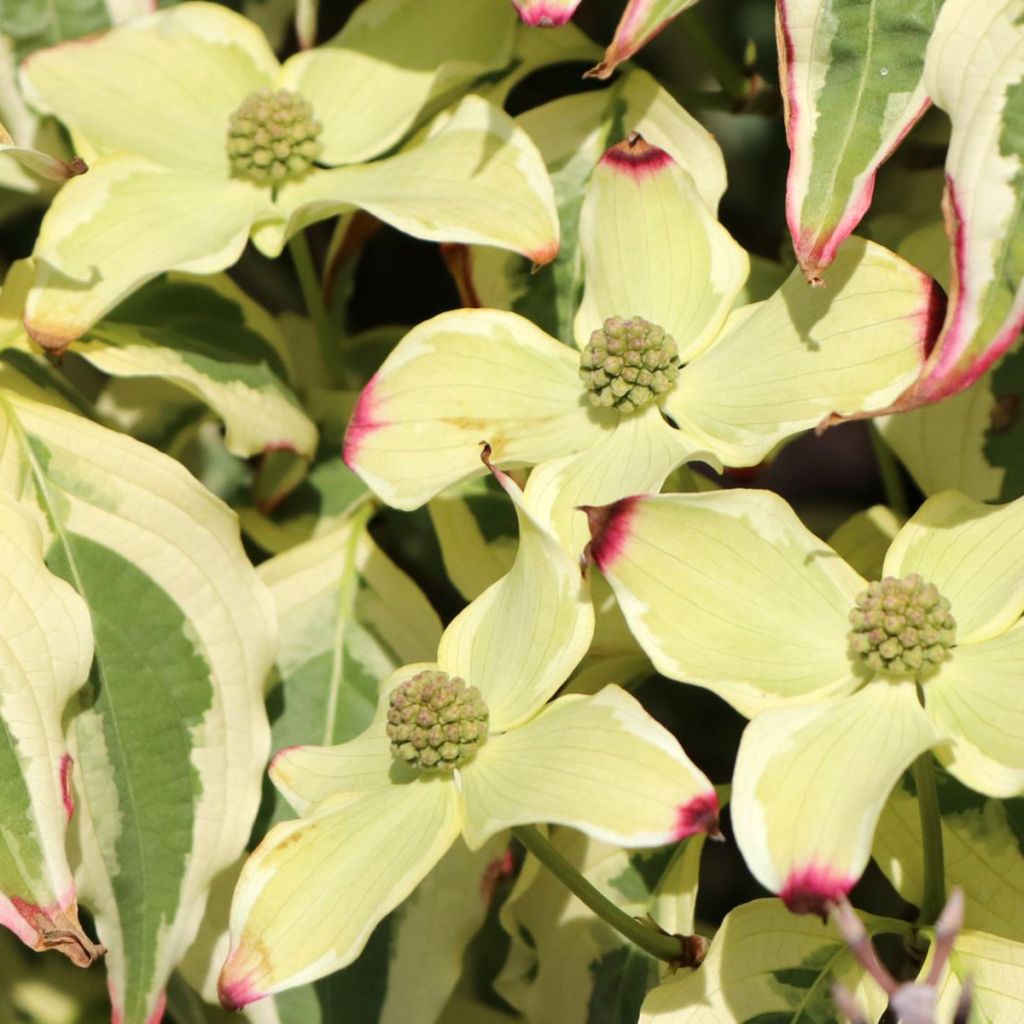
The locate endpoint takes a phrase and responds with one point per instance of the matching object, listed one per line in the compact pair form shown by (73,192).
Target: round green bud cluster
(436,722)
(629,363)
(272,137)
(902,626)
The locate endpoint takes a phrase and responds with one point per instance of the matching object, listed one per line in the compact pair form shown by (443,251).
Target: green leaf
(45,652)
(566,966)
(768,966)
(211,340)
(348,618)
(982,839)
(852,83)
(170,735)
(32,25)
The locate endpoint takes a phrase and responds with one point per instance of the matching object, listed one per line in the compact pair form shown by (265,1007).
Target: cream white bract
(371,825)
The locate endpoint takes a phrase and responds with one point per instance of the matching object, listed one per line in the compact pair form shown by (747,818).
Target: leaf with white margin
(564,964)
(45,657)
(968,442)
(973,71)
(165,790)
(995,967)
(852,87)
(392,60)
(783,365)
(348,618)
(981,840)
(864,539)
(728,590)
(972,552)
(641,21)
(205,340)
(768,964)
(472,176)
(810,782)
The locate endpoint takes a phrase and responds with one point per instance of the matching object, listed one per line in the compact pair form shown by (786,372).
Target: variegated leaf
(170,736)
(981,839)
(348,618)
(970,441)
(46,650)
(768,965)
(208,338)
(566,966)
(545,13)
(851,75)
(974,70)
(641,21)
(994,968)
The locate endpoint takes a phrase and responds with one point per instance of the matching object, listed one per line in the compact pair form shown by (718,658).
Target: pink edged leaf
(545,13)
(641,21)
(973,71)
(848,106)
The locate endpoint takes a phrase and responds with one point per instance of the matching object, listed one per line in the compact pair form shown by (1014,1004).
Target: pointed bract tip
(544,15)
(545,254)
(365,420)
(609,531)
(636,157)
(55,345)
(698,815)
(814,889)
(235,994)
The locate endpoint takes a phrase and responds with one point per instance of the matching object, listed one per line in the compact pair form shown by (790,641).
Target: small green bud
(902,627)
(436,722)
(629,363)
(272,137)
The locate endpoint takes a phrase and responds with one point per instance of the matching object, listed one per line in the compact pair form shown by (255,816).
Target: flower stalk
(671,948)
(313,297)
(931,839)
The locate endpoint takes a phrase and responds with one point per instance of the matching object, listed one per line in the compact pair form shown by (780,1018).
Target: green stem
(888,467)
(931,838)
(315,306)
(664,947)
(735,84)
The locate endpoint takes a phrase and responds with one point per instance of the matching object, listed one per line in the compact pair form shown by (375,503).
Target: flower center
(435,721)
(272,137)
(902,626)
(629,363)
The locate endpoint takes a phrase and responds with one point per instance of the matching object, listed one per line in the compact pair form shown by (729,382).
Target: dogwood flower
(214,139)
(467,745)
(848,681)
(665,373)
